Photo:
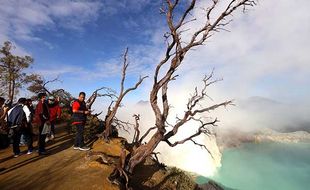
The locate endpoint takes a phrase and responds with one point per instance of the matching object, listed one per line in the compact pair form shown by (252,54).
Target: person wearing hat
(41,117)
(55,113)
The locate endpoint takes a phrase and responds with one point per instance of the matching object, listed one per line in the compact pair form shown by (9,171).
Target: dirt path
(63,168)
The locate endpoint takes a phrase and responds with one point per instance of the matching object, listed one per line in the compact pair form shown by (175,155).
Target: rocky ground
(65,168)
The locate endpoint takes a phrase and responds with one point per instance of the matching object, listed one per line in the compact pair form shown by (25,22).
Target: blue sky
(81,41)
(265,54)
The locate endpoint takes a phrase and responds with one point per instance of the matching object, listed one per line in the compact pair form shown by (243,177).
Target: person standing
(79,117)
(41,117)
(55,113)
(4,140)
(27,132)
(18,117)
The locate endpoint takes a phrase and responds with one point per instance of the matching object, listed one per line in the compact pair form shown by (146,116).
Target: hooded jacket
(54,110)
(41,113)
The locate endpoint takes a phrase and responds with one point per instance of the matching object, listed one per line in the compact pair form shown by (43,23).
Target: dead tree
(137,141)
(136,128)
(64,97)
(123,125)
(108,92)
(176,50)
(112,110)
(50,81)
(39,84)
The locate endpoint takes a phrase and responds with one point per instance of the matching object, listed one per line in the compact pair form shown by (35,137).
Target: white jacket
(27,112)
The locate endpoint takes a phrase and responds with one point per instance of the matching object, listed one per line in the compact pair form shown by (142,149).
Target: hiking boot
(84,148)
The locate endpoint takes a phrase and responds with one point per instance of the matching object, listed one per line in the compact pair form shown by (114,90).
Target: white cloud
(21,19)
(269,41)
(56,70)
(74,14)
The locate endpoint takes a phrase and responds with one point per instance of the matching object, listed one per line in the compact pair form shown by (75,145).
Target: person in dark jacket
(41,117)
(79,117)
(18,116)
(27,135)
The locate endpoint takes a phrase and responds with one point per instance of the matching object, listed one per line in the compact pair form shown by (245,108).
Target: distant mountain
(274,114)
(234,138)
(143,102)
(258,101)
(269,135)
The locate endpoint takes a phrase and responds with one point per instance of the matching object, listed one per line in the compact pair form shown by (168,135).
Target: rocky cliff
(233,138)
(268,135)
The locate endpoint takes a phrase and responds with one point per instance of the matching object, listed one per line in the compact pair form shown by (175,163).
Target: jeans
(79,139)
(16,139)
(23,139)
(41,142)
(52,128)
(27,132)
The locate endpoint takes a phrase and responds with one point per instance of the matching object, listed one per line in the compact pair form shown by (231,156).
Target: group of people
(17,121)
(46,113)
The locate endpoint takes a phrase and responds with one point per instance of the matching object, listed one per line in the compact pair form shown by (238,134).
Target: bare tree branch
(112,111)
(92,155)
(108,92)
(124,125)
(50,81)
(201,130)
(97,114)
(136,136)
(146,134)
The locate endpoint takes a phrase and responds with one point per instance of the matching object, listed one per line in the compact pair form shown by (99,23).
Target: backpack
(16,117)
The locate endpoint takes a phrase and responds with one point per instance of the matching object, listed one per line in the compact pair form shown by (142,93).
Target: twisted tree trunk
(143,151)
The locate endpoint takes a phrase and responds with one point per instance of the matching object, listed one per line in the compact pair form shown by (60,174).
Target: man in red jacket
(79,117)
(41,117)
(55,113)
